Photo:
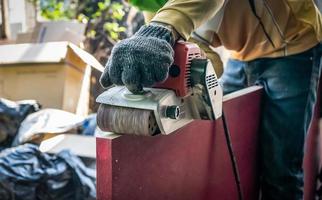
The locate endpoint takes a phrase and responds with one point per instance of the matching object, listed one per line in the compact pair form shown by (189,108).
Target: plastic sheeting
(89,125)
(52,121)
(28,174)
(47,121)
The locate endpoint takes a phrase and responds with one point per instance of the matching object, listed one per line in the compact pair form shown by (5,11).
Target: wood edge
(241,92)
(106,135)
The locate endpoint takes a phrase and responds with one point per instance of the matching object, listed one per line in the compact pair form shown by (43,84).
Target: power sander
(190,92)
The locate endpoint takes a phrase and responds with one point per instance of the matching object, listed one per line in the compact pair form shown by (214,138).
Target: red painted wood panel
(312,157)
(104,170)
(191,164)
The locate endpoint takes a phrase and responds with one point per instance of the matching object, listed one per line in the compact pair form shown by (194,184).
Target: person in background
(273,43)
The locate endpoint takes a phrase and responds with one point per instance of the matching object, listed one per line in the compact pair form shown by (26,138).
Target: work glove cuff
(157,31)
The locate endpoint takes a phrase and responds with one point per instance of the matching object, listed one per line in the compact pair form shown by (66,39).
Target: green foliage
(101,17)
(55,10)
(113,29)
(109,12)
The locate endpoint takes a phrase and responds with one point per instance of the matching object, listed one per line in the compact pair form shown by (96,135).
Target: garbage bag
(45,122)
(11,115)
(28,174)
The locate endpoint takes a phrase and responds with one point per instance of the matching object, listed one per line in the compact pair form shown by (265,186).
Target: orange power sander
(190,92)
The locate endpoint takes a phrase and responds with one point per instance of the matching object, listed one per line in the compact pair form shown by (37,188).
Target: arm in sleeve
(187,15)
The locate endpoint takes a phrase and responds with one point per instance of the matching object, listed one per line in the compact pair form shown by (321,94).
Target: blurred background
(52,53)
(100,22)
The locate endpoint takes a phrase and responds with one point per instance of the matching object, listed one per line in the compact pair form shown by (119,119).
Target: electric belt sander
(190,92)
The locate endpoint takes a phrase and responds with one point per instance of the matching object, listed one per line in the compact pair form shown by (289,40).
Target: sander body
(190,92)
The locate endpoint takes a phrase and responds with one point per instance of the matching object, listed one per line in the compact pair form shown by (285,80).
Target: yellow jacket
(293,25)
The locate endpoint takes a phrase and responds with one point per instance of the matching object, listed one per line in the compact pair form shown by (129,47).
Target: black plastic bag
(11,116)
(28,174)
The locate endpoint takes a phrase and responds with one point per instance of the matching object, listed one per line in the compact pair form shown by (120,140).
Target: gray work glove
(140,60)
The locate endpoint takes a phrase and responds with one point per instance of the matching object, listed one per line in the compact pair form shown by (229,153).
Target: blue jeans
(290,84)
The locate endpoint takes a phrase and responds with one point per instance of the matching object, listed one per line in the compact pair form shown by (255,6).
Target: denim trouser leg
(290,85)
(234,77)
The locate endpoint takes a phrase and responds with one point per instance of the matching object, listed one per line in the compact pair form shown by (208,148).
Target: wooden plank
(192,163)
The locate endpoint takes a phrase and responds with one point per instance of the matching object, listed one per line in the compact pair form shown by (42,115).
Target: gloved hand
(141,60)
